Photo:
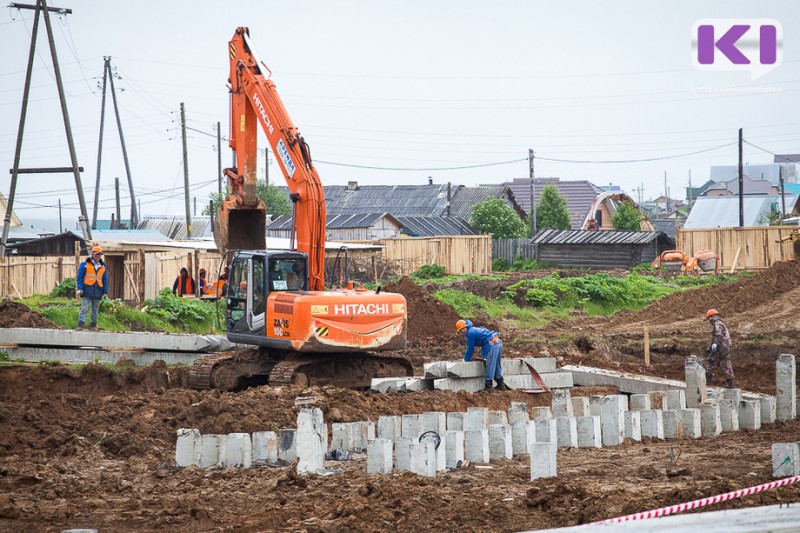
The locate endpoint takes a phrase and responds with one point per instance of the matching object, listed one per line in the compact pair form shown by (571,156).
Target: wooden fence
(510,249)
(458,254)
(750,248)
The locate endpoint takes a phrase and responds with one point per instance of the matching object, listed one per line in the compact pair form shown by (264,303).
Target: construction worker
(719,353)
(202,275)
(184,283)
(92,284)
(491,350)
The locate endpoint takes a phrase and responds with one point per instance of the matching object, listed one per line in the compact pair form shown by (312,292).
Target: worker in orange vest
(184,284)
(92,283)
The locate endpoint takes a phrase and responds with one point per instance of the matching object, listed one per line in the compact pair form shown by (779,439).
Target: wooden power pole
(186,174)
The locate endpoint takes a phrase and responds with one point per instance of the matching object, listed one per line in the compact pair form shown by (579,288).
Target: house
(693,192)
(466,198)
(375,226)
(723,211)
(62,244)
(604,207)
(174,227)
(600,249)
(772,172)
(751,186)
(580,196)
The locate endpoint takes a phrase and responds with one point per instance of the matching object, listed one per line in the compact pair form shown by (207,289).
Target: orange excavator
(276,300)
(678,262)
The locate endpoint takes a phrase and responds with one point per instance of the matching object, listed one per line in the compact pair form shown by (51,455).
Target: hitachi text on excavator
(276,300)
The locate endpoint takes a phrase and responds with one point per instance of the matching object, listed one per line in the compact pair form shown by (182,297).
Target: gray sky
(394,92)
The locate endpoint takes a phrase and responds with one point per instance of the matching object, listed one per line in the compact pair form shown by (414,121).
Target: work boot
(501,385)
(93,326)
(708,377)
(80,326)
(729,383)
(488,385)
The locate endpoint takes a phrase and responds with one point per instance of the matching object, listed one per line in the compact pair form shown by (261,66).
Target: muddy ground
(95,448)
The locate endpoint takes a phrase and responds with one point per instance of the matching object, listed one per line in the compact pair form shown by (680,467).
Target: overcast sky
(393,92)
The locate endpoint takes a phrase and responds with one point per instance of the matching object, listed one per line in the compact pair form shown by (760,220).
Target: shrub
(540,298)
(499,265)
(65,289)
(429,272)
(187,312)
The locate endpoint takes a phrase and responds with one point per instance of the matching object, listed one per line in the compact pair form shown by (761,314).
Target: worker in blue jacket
(92,284)
(491,350)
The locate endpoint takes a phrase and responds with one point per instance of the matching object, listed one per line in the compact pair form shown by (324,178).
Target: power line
(421,169)
(645,160)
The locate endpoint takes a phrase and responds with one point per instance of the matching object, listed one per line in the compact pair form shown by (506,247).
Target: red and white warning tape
(679,508)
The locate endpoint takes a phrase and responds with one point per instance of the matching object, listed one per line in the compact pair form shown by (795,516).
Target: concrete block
(612,420)
(423,459)
(710,422)
(466,369)
(435,421)
(520,431)
(455,421)
(518,412)
(732,394)
(545,430)
(416,385)
(696,391)
(785,459)
(580,406)
(238,451)
(658,400)
(594,405)
(652,424)
(676,400)
(435,370)
(454,448)
(589,432)
(584,376)
(379,456)
(388,384)
(729,415)
(500,445)
(265,448)
(310,443)
(410,426)
(554,380)
(633,425)
(567,432)
(390,427)
(785,387)
(768,409)
(187,447)
(477,418)
(673,424)
(543,460)
(692,423)
(518,367)
(476,445)
(212,450)
(639,402)
(749,414)
(562,403)
(460,384)
(402,453)
(497,417)
(343,436)
(287,445)
(541,412)
(561,379)
(714,394)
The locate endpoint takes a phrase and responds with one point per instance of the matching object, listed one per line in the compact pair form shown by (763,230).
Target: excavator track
(237,370)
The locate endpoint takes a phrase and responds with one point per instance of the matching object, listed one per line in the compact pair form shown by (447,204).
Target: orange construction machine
(677,262)
(276,300)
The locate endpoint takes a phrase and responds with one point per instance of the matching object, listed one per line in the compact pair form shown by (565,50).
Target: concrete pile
(469,376)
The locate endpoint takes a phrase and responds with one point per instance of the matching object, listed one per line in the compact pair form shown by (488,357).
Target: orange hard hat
(710,313)
(97,250)
(461,324)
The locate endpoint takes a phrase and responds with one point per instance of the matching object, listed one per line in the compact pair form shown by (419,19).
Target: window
(288,274)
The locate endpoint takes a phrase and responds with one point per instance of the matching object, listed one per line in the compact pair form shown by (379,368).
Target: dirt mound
(740,297)
(17,315)
(428,318)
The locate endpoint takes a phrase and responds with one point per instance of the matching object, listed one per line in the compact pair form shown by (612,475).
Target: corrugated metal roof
(435,226)
(465,198)
(751,185)
(128,235)
(769,171)
(723,211)
(361,220)
(580,195)
(174,227)
(403,200)
(561,236)
(786,158)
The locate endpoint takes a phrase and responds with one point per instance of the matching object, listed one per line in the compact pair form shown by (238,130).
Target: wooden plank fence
(458,254)
(756,246)
(510,249)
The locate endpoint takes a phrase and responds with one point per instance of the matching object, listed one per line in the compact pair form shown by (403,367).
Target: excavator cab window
(288,274)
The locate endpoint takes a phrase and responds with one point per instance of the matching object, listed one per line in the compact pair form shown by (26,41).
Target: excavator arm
(241,220)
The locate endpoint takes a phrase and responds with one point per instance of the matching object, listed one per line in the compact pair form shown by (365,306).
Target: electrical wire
(644,160)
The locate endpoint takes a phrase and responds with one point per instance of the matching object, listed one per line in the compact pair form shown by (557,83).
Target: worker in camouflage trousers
(719,353)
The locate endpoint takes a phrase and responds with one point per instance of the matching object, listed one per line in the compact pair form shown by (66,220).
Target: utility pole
(666,194)
(134,214)
(186,174)
(116,196)
(100,144)
(741,183)
(533,198)
(219,159)
(266,165)
(60,223)
(689,196)
(41,8)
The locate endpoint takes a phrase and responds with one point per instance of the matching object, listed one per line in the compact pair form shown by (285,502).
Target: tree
(551,211)
(627,218)
(277,203)
(496,217)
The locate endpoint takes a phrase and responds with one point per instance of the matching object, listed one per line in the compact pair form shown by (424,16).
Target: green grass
(462,277)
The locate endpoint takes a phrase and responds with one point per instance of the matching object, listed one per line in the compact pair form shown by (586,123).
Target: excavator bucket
(240,228)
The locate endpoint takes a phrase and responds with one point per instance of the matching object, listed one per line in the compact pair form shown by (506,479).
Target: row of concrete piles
(433,442)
